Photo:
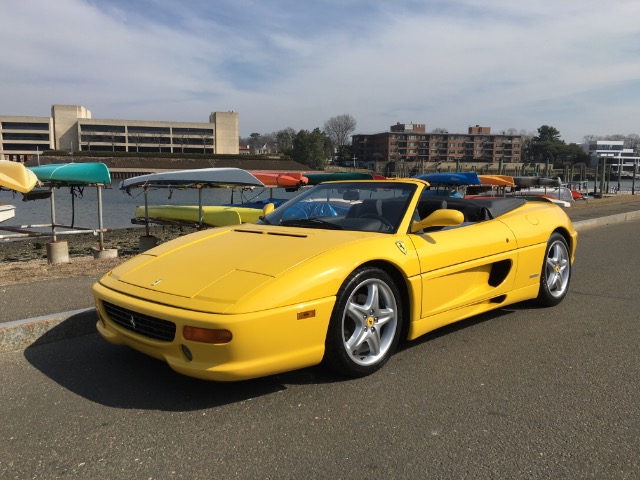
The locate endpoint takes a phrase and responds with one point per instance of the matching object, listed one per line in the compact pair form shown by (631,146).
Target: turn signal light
(206,335)
(307,314)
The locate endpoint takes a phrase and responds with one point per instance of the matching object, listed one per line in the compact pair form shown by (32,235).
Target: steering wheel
(380,218)
(295,212)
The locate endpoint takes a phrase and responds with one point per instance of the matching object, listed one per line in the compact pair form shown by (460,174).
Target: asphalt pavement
(51,310)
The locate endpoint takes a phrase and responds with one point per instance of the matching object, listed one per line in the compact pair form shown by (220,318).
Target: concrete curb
(20,334)
(583,225)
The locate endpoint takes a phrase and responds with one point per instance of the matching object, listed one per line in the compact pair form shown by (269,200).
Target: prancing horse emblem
(401,246)
(132,322)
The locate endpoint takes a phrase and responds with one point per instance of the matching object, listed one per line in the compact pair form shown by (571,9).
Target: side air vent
(499,299)
(499,272)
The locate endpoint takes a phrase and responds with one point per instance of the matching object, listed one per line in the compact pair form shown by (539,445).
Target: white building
(72,129)
(614,153)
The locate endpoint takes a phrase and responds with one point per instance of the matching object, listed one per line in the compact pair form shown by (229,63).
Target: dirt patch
(26,260)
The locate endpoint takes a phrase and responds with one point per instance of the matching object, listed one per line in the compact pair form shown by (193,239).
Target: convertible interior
(386,214)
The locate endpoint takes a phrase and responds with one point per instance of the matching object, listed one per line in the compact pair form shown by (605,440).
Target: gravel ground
(26,260)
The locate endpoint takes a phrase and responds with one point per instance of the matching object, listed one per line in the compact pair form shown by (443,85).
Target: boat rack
(26,231)
(167,223)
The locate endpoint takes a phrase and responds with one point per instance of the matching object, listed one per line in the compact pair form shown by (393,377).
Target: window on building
(24,126)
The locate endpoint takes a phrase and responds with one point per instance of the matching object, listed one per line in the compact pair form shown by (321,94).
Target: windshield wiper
(310,222)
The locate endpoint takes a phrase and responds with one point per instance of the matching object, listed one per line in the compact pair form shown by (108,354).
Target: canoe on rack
(212,215)
(456,179)
(281,179)
(91,173)
(316,178)
(497,180)
(15,176)
(193,178)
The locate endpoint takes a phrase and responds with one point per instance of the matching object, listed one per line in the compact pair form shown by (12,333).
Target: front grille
(140,323)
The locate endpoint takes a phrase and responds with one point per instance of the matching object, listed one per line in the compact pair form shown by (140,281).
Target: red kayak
(281,179)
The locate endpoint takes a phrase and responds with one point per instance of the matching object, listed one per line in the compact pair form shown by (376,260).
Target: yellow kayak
(15,176)
(215,216)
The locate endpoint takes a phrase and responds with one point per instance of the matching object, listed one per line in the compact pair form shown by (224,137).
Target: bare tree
(113,139)
(205,139)
(339,129)
(87,138)
(159,140)
(182,140)
(510,131)
(136,139)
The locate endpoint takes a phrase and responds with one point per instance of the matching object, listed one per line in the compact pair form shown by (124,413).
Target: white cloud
(504,63)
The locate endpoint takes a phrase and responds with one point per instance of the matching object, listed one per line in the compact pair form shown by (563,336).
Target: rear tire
(556,272)
(365,325)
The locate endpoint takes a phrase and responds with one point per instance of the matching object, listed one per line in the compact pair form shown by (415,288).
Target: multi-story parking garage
(71,128)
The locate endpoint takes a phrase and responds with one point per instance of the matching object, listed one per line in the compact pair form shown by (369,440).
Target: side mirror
(439,218)
(268,208)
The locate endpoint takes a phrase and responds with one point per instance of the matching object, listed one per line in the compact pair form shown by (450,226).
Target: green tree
(311,148)
(255,142)
(545,147)
(548,134)
(284,141)
(572,154)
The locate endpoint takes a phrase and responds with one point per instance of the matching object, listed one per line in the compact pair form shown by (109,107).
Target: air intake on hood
(278,234)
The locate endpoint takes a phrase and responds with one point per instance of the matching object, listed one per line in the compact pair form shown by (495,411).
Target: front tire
(556,272)
(365,325)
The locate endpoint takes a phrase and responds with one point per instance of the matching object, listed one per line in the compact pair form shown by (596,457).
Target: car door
(464,265)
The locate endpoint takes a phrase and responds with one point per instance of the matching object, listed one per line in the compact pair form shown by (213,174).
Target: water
(118,207)
(625,186)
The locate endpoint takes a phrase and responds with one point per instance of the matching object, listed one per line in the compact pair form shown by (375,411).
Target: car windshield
(359,206)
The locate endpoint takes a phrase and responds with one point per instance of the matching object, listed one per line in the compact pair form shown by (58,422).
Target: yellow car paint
(261,281)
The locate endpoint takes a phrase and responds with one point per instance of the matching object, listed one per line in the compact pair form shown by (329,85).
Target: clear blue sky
(571,64)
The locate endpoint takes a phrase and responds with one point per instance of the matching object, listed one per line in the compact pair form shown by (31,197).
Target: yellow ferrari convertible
(337,275)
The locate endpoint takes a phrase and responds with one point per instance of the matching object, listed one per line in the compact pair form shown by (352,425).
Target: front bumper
(263,343)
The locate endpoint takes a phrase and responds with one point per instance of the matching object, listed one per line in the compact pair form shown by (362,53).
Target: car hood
(221,265)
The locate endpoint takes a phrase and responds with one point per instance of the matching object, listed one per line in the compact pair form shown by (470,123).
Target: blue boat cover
(456,179)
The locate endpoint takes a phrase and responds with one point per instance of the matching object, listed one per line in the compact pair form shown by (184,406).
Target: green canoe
(73,173)
(316,178)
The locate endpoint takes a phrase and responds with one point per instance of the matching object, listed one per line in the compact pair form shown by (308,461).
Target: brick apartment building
(411,144)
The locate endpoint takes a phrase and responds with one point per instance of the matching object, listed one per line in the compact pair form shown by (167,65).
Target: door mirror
(439,218)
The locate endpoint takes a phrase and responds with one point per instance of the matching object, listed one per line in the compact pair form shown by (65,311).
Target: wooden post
(602,176)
